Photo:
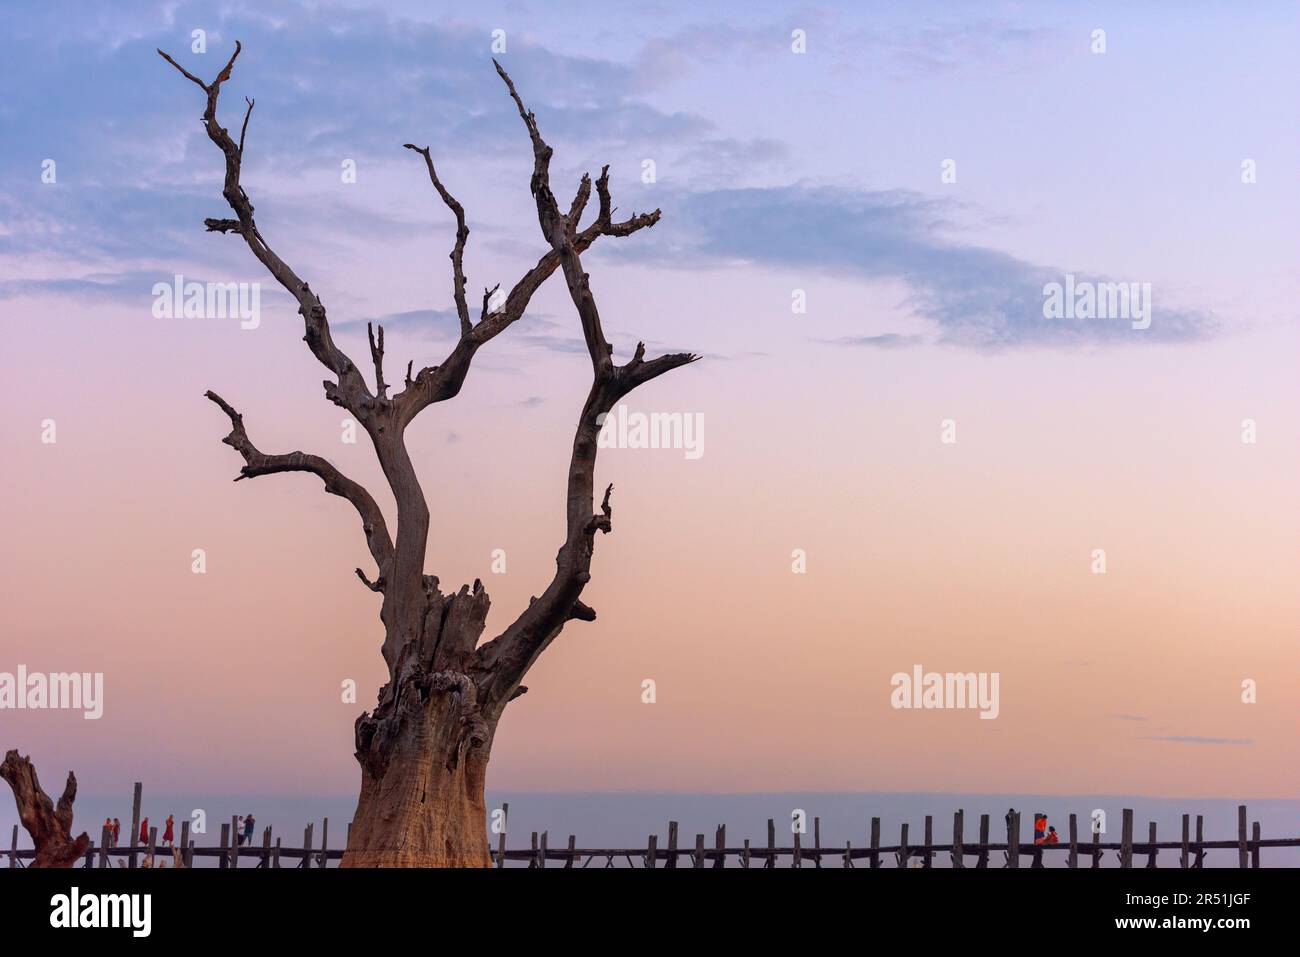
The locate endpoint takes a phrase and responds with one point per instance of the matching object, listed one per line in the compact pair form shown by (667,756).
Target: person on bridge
(168,837)
(1052,837)
(117,831)
(248,830)
(144,831)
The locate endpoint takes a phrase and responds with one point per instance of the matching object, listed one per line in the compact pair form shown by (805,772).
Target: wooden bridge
(1191,848)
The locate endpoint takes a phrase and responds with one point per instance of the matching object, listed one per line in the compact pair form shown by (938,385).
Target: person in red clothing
(144,831)
(1040,831)
(117,831)
(1051,837)
(168,838)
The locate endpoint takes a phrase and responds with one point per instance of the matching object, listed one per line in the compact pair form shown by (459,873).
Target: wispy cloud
(974,295)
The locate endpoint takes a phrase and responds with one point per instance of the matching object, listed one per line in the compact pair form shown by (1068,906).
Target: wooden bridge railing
(1191,850)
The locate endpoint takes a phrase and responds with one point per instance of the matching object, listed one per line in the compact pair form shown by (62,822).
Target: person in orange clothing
(1040,831)
(168,838)
(1051,837)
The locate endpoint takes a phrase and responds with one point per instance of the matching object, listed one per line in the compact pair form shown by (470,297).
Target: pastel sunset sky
(776,171)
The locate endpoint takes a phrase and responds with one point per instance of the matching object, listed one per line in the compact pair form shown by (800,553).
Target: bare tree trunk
(423,805)
(424,751)
(49,826)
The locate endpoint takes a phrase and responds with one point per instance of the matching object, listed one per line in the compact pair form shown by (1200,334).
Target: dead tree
(424,749)
(49,825)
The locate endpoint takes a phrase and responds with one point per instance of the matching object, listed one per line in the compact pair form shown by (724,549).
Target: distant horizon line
(351,795)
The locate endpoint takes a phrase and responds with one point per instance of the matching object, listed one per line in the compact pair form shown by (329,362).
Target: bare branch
(376,585)
(487,299)
(580,202)
(462,234)
(581,612)
(503,661)
(351,391)
(377,354)
(603,521)
(258,463)
(244,129)
(442,382)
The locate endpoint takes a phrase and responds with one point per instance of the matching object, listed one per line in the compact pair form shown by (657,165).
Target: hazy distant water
(625,819)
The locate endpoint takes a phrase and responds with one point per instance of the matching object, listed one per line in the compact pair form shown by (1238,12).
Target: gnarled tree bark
(49,825)
(424,749)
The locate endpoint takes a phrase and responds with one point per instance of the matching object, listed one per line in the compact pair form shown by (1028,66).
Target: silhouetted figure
(117,831)
(248,830)
(168,837)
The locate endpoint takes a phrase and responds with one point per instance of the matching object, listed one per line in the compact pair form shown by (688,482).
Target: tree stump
(50,826)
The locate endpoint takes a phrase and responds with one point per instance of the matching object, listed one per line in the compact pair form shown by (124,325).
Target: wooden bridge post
(1013,840)
(266,849)
(105,838)
(13,849)
(958,855)
(135,822)
(1126,840)
(501,838)
(325,843)
(720,843)
(1037,860)
(929,841)
(771,844)
(236,835)
(1152,849)
(798,849)
(1185,859)
(902,847)
(573,844)
(817,842)
(1241,835)
(275,855)
(1074,841)
(541,848)
(306,845)
(90,854)
(153,841)
(697,858)
(652,850)
(983,860)
(672,843)
(1200,836)
(744,855)
(1254,851)
(875,842)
